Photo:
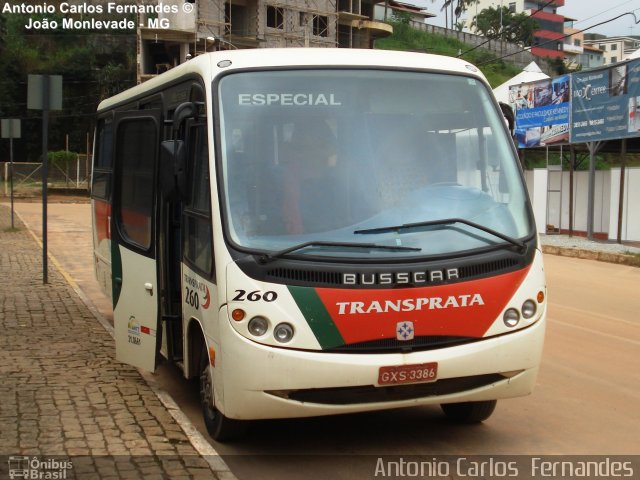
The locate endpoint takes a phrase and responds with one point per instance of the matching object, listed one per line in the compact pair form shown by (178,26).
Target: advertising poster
(542,111)
(606,103)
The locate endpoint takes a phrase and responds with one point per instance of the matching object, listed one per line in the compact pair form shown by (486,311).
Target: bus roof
(207,65)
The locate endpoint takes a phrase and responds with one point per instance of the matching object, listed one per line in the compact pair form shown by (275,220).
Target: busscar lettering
(289,99)
(410,304)
(416,277)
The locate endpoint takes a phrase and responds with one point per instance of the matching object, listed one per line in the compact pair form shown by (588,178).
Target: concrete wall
(517,57)
(630,204)
(549,192)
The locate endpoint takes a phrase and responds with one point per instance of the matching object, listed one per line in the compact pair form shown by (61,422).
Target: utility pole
(44,92)
(11,130)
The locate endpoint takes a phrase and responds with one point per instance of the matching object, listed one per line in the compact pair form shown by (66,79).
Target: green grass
(406,38)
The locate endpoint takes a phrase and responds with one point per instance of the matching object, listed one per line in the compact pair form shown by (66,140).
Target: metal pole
(11,168)
(86,164)
(45,173)
(623,154)
(572,163)
(593,147)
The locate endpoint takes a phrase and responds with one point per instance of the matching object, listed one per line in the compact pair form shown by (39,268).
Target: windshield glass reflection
(310,156)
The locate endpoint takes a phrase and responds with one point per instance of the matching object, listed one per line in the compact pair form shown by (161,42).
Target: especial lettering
(289,99)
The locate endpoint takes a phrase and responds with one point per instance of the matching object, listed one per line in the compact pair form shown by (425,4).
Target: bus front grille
(372,394)
(389,345)
(333,277)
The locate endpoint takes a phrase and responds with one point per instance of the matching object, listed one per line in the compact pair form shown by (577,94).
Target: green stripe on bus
(116,272)
(317,317)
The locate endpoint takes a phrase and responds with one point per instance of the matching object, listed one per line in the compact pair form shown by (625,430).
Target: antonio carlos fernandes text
(539,467)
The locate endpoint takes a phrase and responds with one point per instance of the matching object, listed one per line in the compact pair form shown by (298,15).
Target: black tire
(221,428)
(469,412)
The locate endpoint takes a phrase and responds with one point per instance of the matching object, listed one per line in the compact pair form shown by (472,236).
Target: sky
(586,13)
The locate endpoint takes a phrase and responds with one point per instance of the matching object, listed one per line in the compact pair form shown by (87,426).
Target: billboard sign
(542,110)
(606,103)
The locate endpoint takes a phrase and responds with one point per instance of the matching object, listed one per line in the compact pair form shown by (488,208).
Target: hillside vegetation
(406,38)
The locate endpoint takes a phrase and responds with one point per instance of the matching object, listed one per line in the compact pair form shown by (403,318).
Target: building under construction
(183,29)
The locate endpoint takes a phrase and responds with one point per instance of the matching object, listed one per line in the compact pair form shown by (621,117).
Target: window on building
(614,46)
(275,17)
(577,42)
(321,26)
(602,47)
(512,7)
(614,59)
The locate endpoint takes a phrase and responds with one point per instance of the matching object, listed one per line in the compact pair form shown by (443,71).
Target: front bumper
(255,381)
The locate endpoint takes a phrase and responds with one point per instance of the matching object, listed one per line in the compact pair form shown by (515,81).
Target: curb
(618,258)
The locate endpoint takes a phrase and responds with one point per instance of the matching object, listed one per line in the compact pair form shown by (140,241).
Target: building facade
(547,40)
(591,57)
(391,9)
(171,37)
(573,45)
(614,49)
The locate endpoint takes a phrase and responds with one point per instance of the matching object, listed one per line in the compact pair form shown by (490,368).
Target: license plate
(417,373)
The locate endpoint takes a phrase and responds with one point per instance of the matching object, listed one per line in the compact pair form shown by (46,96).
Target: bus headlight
(283,332)
(258,326)
(511,317)
(529,309)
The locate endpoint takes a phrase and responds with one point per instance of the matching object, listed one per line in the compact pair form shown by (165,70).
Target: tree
(500,23)
(93,66)
(459,26)
(457,7)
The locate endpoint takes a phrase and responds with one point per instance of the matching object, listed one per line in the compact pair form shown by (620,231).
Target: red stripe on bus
(464,309)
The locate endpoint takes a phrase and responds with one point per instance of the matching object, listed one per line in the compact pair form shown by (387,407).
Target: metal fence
(72,174)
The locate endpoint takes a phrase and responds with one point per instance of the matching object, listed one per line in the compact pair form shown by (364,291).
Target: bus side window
(136,165)
(101,178)
(198,241)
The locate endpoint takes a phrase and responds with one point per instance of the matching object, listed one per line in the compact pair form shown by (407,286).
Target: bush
(61,158)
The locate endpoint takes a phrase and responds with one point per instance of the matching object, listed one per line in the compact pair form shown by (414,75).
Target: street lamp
(211,39)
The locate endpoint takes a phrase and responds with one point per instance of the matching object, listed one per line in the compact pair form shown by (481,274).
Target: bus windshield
(319,157)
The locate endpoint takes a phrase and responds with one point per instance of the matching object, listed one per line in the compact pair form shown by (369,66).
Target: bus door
(133,251)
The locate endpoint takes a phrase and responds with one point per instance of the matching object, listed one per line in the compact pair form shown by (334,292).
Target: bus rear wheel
(220,428)
(469,412)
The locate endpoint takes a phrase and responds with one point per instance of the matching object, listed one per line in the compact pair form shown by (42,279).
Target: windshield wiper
(444,221)
(268,257)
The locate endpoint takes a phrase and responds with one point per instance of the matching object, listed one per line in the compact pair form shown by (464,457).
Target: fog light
(511,317)
(283,333)
(238,314)
(528,309)
(258,326)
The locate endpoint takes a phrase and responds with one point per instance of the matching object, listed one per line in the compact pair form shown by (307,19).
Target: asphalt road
(586,401)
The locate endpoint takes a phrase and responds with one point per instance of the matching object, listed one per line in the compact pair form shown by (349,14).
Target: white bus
(316,232)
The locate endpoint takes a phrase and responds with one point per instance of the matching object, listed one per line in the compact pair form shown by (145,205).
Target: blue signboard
(542,110)
(606,103)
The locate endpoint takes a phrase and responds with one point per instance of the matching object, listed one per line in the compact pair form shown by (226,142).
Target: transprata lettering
(410,304)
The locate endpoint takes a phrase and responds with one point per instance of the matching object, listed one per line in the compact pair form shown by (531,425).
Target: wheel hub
(206,396)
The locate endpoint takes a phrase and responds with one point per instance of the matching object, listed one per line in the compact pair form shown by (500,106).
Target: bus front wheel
(469,412)
(219,427)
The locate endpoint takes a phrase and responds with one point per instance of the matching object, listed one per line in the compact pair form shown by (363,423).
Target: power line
(604,11)
(489,39)
(566,36)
